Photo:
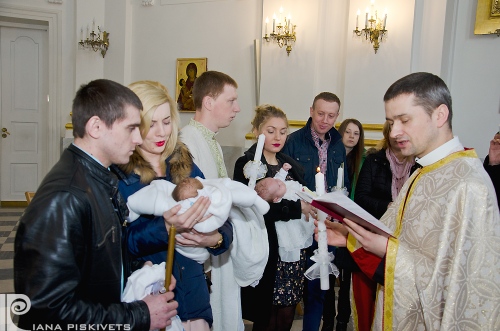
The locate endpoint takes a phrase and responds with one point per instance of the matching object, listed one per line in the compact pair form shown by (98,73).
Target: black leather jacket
(68,250)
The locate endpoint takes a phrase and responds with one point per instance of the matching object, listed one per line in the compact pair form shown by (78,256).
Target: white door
(24,104)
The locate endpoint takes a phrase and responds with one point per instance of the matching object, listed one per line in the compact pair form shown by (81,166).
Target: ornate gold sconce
(95,41)
(283,32)
(374,30)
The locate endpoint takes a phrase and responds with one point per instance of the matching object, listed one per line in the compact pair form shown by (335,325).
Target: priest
(440,270)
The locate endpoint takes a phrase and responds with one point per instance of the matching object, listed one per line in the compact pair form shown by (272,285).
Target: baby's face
(277,189)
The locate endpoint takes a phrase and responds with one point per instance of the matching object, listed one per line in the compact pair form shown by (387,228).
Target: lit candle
(366,19)
(385,19)
(319,178)
(340,176)
(357,19)
(267,21)
(260,146)
(274,22)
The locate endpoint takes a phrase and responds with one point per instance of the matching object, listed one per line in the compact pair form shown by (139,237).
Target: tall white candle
(260,146)
(357,19)
(323,251)
(93,24)
(366,18)
(340,177)
(267,21)
(385,20)
(274,22)
(319,178)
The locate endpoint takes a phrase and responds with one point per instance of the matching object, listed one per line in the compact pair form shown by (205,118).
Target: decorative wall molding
(56,1)
(177,2)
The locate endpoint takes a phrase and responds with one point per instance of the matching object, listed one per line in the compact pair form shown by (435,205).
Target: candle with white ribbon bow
(322,240)
(255,165)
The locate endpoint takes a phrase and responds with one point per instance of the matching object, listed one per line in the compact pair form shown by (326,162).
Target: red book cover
(338,206)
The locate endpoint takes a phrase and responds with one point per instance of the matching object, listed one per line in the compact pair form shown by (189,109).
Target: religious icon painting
(187,71)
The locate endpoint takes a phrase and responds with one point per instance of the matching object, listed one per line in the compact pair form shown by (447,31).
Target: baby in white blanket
(293,235)
(162,195)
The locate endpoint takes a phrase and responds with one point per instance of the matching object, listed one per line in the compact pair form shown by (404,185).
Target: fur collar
(178,165)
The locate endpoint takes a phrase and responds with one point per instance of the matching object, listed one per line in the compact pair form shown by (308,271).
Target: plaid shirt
(322,146)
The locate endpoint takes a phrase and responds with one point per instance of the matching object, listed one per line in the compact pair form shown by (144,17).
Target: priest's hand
(494,152)
(336,233)
(372,242)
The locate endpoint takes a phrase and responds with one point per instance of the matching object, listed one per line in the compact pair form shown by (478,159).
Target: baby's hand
(287,166)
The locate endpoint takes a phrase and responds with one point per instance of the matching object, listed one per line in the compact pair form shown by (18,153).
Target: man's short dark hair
(103,98)
(210,83)
(328,97)
(429,90)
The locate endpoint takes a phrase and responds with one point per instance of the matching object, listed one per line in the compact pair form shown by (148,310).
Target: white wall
(435,36)
(474,79)
(222,31)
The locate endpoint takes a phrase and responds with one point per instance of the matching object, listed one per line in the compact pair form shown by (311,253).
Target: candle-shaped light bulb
(260,147)
(289,21)
(93,24)
(267,21)
(274,22)
(319,179)
(366,18)
(371,9)
(385,19)
(357,19)
(81,34)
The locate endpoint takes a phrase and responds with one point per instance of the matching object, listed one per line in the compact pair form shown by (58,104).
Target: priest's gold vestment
(442,271)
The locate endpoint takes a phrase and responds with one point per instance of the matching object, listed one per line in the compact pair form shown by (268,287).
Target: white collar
(441,152)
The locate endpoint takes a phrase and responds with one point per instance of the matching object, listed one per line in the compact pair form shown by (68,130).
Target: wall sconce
(374,30)
(283,32)
(95,41)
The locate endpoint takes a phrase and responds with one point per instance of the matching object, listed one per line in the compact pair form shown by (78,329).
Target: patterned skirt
(289,284)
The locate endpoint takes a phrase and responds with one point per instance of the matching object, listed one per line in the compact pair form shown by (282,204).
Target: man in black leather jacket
(68,251)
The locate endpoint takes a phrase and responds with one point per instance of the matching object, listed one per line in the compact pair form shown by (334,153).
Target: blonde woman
(163,156)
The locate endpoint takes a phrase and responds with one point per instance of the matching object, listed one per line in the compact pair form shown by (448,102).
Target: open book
(338,206)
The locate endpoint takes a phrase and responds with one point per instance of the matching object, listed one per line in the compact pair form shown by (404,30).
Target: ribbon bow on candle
(323,266)
(254,170)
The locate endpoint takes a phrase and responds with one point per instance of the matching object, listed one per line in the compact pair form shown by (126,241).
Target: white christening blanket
(148,280)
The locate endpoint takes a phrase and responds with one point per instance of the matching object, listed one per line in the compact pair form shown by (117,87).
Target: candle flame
(318,169)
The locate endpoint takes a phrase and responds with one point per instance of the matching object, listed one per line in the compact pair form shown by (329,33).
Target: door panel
(23,110)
